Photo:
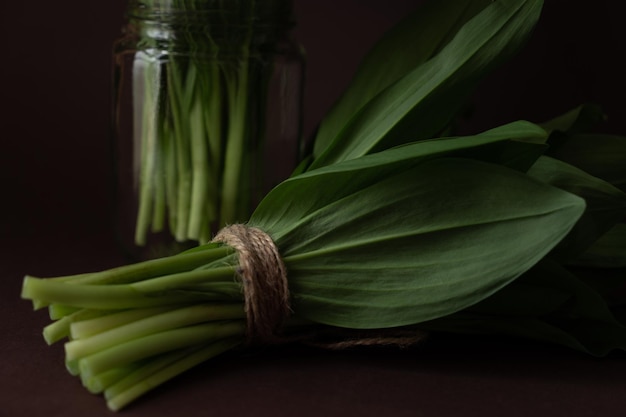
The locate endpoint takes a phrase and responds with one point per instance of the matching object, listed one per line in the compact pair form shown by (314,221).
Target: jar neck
(210,26)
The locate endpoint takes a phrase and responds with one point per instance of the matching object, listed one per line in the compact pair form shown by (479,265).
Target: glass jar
(207,117)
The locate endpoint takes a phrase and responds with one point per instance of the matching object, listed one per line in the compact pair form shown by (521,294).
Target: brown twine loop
(267,301)
(341,339)
(264,279)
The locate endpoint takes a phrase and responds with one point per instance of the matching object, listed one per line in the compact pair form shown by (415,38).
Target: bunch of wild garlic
(388,226)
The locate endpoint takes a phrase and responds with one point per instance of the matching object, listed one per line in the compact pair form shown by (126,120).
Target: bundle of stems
(198,114)
(477,233)
(369,243)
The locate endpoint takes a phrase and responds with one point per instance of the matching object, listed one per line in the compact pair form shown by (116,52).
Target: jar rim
(214,12)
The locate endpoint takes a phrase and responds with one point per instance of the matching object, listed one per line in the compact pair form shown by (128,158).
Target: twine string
(267,300)
(264,279)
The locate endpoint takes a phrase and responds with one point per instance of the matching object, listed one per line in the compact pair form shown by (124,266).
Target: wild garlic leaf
(601,155)
(408,44)
(419,242)
(587,316)
(605,204)
(302,194)
(519,154)
(522,299)
(523,327)
(577,316)
(578,120)
(609,251)
(423,101)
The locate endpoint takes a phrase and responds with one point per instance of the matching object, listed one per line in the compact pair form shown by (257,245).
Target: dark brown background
(55,74)
(54,176)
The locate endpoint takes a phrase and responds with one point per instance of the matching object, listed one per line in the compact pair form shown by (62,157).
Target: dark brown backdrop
(55,89)
(54,176)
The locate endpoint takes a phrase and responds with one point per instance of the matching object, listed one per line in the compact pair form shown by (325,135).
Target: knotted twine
(266,296)
(264,280)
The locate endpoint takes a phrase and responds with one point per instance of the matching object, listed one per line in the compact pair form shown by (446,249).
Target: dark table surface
(445,376)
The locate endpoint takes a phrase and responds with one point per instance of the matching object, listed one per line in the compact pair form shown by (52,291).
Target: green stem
(183,280)
(86,328)
(72,367)
(213,121)
(58,311)
(171,174)
(234,168)
(141,373)
(97,296)
(61,328)
(170,320)
(159,208)
(125,397)
(200,168)
(179,122)
(146,105)
(97,384)
(144,347)
(155,267)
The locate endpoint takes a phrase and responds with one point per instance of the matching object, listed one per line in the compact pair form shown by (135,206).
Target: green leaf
(519,154)
(523,327)
(606,204)
(522,299)
(566,311)
(410,43)
(579,120)
(417,242)
(601,155)
(609,251)
(301,195)
(422,102)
